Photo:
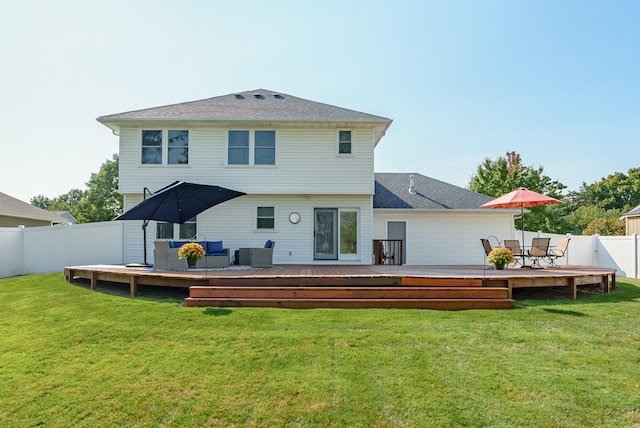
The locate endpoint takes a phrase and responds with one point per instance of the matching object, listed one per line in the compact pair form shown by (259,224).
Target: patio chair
(555,253)
(539,250)
(258,257)
(514,246)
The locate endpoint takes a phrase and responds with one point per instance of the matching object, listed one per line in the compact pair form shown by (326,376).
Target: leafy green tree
(65,202)
(102,201)
(607,226)
(505,174)
(616,191)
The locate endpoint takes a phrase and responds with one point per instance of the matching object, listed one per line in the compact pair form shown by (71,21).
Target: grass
(70,356)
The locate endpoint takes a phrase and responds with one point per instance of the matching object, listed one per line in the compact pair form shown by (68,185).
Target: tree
(616,191)
(100,202)
(65,202)
(605,226)
(505,174)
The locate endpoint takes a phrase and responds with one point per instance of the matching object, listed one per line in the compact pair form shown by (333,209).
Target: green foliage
(65,202)
(605,226)
(100,202)
(593,208)
(75,357)
(617,191)
(505,174)
(497,177)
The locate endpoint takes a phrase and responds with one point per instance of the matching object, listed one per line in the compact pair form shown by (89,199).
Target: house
(308,171)
(14,213)
(632,221)
(438,223)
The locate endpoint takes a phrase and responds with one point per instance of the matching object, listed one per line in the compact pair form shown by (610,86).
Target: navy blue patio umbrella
(177,203)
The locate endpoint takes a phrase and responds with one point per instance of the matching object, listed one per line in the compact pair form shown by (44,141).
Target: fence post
(21,229)
(635,256)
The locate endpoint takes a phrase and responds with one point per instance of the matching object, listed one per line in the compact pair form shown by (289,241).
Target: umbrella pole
(144,240)
(522,230)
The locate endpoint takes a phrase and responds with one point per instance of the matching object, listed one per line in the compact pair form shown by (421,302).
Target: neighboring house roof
(633,213)
(12,207)
(392,192)
(259,105)
(66,216)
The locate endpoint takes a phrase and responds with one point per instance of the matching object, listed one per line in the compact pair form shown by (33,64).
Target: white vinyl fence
(619,252)
(30,250)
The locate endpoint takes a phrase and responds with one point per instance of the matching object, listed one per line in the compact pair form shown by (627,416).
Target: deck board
(438,287)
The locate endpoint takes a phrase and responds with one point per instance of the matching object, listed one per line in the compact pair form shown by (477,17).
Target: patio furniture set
(166,256)
(540,250)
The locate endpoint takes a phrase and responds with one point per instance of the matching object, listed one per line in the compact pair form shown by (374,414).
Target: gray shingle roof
(392,192)
(634,212)
(13,207)
(258,104)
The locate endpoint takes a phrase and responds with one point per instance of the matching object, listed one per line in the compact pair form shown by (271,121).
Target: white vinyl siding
(234,223)
(306,164)
(445,238)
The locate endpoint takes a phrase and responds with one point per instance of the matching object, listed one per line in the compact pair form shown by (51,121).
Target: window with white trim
(266,218)
(344,143)
(151,147)
(178,147)
(186,230)
(251,147)
(265,148)
(154,150)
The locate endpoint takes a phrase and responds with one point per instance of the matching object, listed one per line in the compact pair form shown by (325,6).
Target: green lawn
(70,356)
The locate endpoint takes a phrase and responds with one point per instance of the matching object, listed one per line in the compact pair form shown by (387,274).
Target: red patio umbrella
(521,198)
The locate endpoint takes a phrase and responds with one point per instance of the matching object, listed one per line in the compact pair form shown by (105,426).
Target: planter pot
(499,266)
(192,262)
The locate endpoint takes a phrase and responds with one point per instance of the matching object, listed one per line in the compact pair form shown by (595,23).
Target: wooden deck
(352,286)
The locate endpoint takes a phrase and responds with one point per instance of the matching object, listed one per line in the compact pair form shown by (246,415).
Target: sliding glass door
(326,234)
(336,234)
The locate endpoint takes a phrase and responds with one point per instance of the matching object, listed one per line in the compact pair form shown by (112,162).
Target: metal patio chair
(555,253)
(516,249)
(539,250)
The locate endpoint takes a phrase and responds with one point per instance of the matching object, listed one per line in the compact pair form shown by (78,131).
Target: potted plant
(192,251)
(501,256)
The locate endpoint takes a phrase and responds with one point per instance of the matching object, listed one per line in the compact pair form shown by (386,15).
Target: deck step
(303,281)
(441,282)
(221,292)
(439,304)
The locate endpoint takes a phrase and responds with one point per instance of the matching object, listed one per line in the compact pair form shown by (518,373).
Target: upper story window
(155,151)
(265,149)
(152,147)
(344,143)
(238,147)
(178,147)
(251,148)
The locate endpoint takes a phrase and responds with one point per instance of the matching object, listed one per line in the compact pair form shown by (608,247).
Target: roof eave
(31,217)
(449,210)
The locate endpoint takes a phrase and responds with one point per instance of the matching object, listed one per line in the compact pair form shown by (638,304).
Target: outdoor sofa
(166,255)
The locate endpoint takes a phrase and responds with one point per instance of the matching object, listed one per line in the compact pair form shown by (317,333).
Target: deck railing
(388,251)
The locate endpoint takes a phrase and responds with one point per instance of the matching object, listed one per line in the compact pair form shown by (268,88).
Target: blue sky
(556,81)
